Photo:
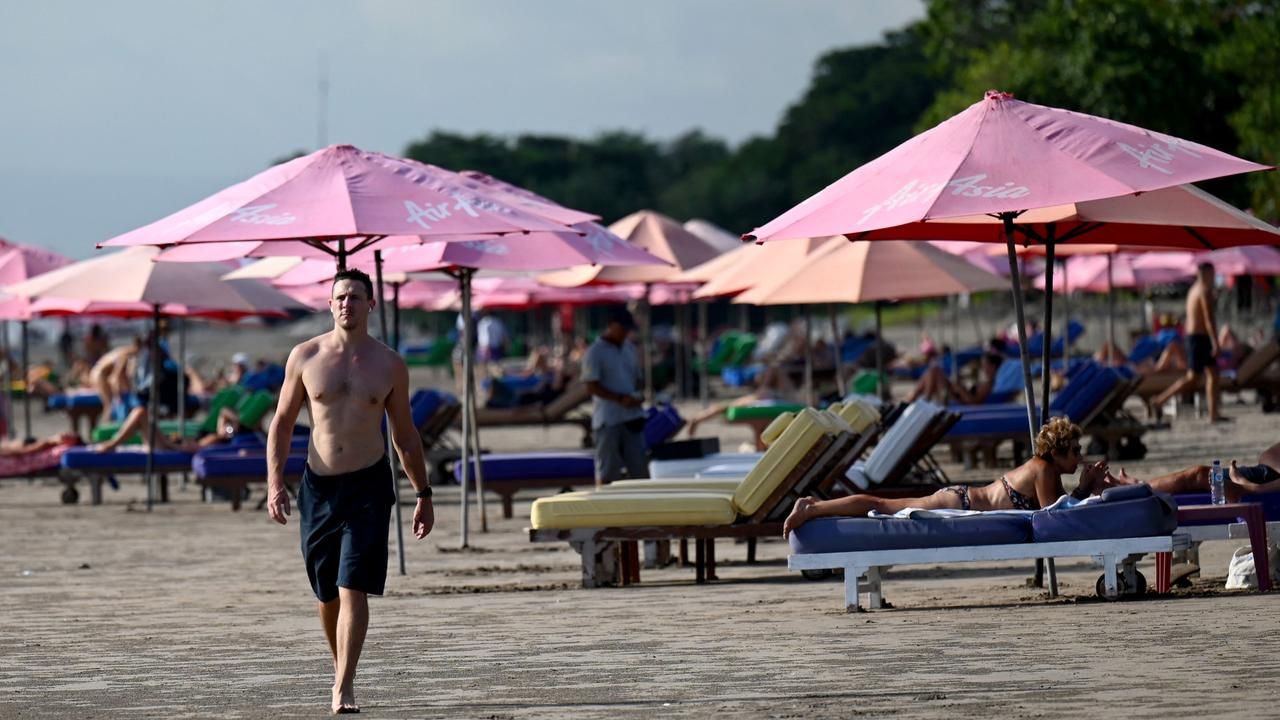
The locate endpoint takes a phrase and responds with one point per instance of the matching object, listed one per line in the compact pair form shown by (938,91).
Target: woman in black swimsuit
(1034,484)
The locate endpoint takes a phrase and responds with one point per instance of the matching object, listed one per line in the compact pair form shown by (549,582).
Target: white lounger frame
(1112,553)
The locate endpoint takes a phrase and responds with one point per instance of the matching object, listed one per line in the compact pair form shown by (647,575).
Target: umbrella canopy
(713,234)
(131,276)
(654,232)
(1089,272)
(759,264)
(19,262)
(857,272)
(335,194)
(1244,260)
(1001,155)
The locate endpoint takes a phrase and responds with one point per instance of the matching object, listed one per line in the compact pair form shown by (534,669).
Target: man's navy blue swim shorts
(345,519)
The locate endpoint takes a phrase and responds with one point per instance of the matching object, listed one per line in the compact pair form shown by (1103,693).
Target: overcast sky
(114,114)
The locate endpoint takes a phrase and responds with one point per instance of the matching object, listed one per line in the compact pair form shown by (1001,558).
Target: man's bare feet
(799,514)
(344,701)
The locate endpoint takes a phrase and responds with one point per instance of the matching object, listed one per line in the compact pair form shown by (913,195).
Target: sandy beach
(193,610)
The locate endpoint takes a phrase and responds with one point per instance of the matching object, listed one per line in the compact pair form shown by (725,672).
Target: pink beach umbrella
(18,262)
(131,276)
(1245,260)
(1003,158)
(338,200)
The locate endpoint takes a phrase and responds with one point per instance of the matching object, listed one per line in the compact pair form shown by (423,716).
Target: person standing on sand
(348,380)
(611,371)
(1202,344)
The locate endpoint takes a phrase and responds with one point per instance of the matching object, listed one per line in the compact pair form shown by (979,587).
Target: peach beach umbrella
(858,272)
(1003,158)
(661,236)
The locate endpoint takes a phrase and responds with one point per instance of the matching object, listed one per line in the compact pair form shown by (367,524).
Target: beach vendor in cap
(347,381)
(612,373)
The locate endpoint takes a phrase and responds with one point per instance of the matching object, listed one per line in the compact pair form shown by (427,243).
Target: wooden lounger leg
(164,488)
(507,502)
(684,552)
(95,489)
(236,490)
(851,575)
(711,559)
(751,551)
(699,561)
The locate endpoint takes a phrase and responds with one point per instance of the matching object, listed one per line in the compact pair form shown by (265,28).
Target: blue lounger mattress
(847,534)
(124,460)
(74,400)
(500,467)
(233,464)
(1122,512)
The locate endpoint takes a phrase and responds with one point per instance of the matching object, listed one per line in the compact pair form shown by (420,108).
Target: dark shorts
(1199,352)
(345,519)
(1257,473)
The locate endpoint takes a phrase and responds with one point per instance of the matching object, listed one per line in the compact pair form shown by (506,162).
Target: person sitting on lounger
(1035,484)
(228,427)
(1263,477)
(771,384)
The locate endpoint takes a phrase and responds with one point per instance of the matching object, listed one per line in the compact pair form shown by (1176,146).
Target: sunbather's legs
(932,385)
(1194,479)
(134,422)
(716,410)
(1246,482)
(808,508)
(1174,389)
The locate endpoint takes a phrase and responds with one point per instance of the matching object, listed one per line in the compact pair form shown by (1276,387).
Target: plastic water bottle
(1217,484)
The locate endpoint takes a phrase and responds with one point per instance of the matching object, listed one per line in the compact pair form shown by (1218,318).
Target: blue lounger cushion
(830,535)
(231,463)
(1270,503)
(500,467)
(1123,512)
(119,461)
(88,399)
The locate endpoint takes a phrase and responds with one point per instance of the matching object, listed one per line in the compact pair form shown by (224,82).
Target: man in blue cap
(612,373)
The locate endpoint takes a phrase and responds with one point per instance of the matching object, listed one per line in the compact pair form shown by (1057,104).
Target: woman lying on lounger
(228,427)
(1263,477)
(1035,484)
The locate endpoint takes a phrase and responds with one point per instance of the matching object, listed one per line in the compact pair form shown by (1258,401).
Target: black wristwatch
(424,493)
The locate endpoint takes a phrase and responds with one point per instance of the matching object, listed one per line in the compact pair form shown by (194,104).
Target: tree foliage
(1205,70)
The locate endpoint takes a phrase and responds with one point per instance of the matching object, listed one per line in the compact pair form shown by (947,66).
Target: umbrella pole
(808,358)
(391,453)
(26,391)
(395,316)
(835,347)
(678,343)
(704,386)
(1111,311)
(464,283)
(1020,319)
(153,405)
(1046,354)
(1066,318)
(647,342)
(955,337)
(182,386)
(880,384)
(8,382)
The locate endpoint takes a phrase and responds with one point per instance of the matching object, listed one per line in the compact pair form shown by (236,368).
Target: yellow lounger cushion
(728,485)
(775,428)
(599,510)
(779,460)
(859,414)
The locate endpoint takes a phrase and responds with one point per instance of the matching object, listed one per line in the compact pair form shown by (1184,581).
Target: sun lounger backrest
(251,409)
(860,415)
(226,397)
(918,416)
(1258,361)
(781,457)
(774,429)
(1078,381)
(1092,395)
(572,397)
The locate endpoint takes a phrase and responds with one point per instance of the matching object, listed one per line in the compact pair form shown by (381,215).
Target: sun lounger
(234,470)
(78,405)
(594,522)
(906,442)
(1258,371)
(759,415)
(1119,528)
(560,411)
(250,408)
(46,463)
(97,468)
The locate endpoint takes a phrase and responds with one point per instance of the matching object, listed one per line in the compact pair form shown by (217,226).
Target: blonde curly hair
(1057,436)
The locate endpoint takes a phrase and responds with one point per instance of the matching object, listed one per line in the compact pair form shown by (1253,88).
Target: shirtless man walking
(347,380)
(1202,343)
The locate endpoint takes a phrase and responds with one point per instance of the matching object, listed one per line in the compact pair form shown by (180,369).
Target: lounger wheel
(1122,588)
(70,496)
(815,575)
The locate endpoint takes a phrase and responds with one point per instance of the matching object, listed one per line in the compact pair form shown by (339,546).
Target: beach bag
(1242,573)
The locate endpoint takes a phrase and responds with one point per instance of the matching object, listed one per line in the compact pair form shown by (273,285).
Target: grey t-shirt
(616,369)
